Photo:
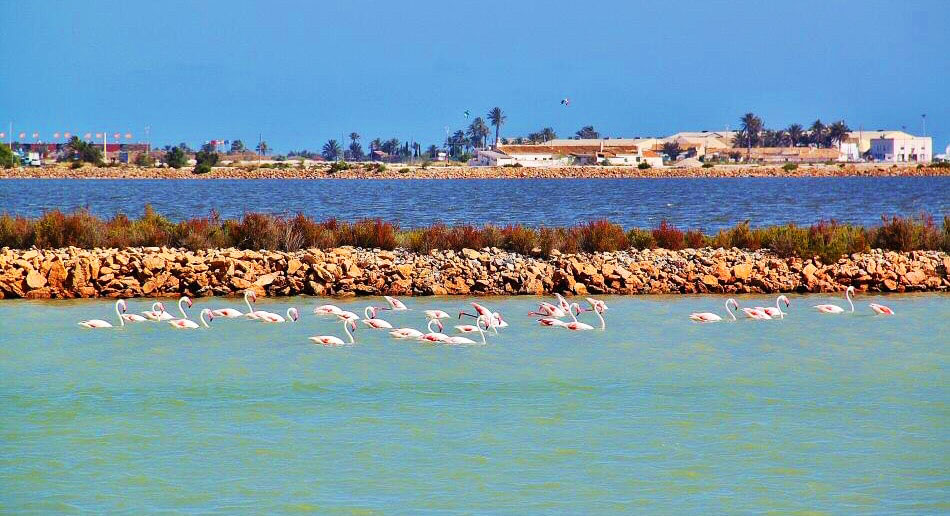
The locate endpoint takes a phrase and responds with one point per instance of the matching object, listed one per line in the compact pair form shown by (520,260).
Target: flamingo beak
(440,325)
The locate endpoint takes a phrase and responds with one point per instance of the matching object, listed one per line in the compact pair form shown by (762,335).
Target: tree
(185,148)
(548,134)
(837,132)
(672,150)
(262,148)
(751,126)
(175,157)
(432,151)
(355,150)
(587,133)
(496,117)
(237,146)
(205,159)
(7,158)
(81,150)
(331,150)
(455,142)
(796,134)
(209,147)
(817,134)
(478,132)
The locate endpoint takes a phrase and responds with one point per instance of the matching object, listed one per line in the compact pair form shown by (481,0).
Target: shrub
(176,157)
(788,167)
(641,239)
(708,165)
(7,158)
(740,236)
(339,166)
(513,165)
(76,164)
(602,235)
(786,241)
(370,234)
(695,239)
(668,236)
(201,168)
(644,166)
(145,160)
(404,170)
(519,239)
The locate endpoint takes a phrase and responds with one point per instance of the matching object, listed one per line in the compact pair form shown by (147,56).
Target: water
(840,414)
(704,203)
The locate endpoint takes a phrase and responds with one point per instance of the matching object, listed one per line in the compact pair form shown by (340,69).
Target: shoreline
(346,272)
(398,171)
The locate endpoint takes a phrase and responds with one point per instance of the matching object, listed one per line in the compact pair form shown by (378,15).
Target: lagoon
(709,204)
(839,414)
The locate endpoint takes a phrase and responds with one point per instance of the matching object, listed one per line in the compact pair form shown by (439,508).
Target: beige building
(863,138)
(619,152)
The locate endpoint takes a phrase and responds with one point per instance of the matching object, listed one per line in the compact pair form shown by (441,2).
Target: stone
(56,278)
(710,281)
(35,280)
(265,280)
(742,271)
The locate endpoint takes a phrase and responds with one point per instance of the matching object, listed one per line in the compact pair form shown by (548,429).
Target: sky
(299,73)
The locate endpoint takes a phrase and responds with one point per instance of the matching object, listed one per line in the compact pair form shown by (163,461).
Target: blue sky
(303,72)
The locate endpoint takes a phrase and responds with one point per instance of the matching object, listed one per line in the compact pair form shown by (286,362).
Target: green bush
(404,170)
(339,166)
(7,158)
(788,167)
(176,158)
(641,239)
(644,166)
(145,160)
(76,164)
(201,168)
(708,165)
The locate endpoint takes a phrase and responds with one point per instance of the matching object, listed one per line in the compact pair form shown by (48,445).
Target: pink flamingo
(436,314)
(157,313)
(132,318)
(757,314)
(546,309)
(369,319)
(330,340)
(494,317)
(576,325)
(188,324)
(835,309)
(268,317)
(327,310)
(394,304)
(881,309)
(456,341)
(406,333)
(434,336)
(231,313)
(707,317)
(597,304)
(99,323)
(598,308)
(776,312)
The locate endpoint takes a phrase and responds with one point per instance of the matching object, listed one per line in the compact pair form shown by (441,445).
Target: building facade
(909,149)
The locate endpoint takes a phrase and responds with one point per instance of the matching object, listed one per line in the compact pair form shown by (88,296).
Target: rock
(56,278)
(710,281)
(742,271)
(265,280)
(35,280)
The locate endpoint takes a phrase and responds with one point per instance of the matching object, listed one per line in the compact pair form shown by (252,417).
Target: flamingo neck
(201,317)
(603,323)
(290,314)
(729,310)
(346,330)
(119,314)
(368,313)
(247,301)
(478,324)
(570,311)
(847,295)
(181,307)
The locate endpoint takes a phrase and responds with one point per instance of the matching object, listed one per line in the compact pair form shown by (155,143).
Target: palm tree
(751,126)
(331,150)
(432,151)
(478,132)
(838,131)
(587,133)
(262,148)
(795,134)
(548,134)
(817,135)
(496,117)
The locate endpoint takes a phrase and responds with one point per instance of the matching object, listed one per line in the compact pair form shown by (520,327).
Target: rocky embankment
(158,272)
(397,171)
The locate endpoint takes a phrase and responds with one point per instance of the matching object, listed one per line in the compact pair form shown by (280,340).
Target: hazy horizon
(299,74)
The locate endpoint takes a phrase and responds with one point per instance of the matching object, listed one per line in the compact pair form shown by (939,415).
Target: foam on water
(813,413)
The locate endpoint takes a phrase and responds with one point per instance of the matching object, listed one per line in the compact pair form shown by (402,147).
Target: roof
(588,149)
(597,141)
(800,152)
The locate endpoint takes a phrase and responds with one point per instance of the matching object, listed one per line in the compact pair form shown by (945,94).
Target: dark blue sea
(704,203)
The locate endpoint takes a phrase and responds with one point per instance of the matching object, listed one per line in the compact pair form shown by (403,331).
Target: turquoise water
(836,414)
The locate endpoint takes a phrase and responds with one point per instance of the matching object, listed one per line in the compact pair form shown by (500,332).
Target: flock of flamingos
(486,320)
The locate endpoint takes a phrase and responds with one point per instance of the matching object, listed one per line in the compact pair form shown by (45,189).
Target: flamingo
(132,318)
(157,313)
(436,314)
(330,340)
(231,313)
(406,333)
(756,313)
(188,324)
(576,325)
(369,319)
(881,309)
(99,323)
(598,308)
(776,312)
(327,310)
(707,317)
(494,317)
(455,341)
(550,321)
(434,336)
(348,315)
(394,304)
(835,309)
(251,297)
(546,309)
(292,316)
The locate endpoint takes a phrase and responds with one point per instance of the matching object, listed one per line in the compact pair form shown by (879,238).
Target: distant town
(751,142)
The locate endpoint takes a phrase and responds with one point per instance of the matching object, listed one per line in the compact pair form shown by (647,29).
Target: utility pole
(148,140)
(923,121)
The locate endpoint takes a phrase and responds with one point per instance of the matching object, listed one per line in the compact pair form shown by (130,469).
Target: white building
(902,149)
(490,158)
(558,153)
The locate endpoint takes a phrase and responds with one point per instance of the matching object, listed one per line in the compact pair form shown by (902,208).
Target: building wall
(902,150)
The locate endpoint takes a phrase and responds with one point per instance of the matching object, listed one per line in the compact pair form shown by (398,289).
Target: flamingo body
(881,309)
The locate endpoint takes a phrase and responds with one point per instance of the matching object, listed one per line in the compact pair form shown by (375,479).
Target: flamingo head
(160,306)
(251,296)
(207,313)
(498,319)
(733,303)
(294,315)
(187,301)
(851,289)
(352,324)
(122,306)
(787,302)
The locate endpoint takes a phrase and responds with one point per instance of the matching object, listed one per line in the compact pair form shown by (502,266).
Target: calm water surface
(842,414)
(705,203)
